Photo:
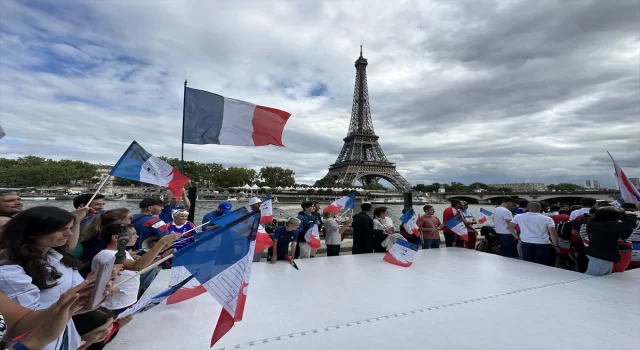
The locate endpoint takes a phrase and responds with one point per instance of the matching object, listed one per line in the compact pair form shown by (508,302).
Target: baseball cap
(225,207)
(254,200)
(149,202)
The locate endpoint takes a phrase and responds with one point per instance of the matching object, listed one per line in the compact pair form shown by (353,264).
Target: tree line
(34,171)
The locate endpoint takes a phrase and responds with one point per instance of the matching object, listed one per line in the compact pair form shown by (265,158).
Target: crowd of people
(48,256)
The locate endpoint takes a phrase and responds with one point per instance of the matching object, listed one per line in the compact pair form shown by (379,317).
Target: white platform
(449,299)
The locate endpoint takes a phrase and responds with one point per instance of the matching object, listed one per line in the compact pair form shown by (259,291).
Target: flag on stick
(263,241)
(346,202)
(628,192)
(213,119)
(266,210)
(222,264)
(402,253)
(145,305)
(484,216)
(139,165)
(410,222)
(456,225)
(312,236)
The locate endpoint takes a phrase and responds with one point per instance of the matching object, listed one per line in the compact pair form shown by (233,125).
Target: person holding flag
(409,228)
(307,220)
(430,227)
(333,233)
(284,236)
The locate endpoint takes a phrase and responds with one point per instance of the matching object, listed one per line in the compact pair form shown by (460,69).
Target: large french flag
(410,222)
(312,236)
(222,265)
(456,225)
(213,119)
(628,192)
(484,216)
(346,202)
(139,165)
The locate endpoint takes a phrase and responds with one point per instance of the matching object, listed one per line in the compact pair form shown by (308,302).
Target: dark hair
(508,200)
(588,202)
(84,199)
(365,206)
(544,204)
(454,202)
(306,205)
(427,207)
(88,321)
(605,215)
(378,211)
(565,212)
(405,210)
(575,207)
(593,211)
(629,206)
(554,207)
(17,243)
(109,231)
(113,216)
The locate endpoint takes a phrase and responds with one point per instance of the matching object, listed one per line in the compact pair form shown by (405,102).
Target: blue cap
(225,207)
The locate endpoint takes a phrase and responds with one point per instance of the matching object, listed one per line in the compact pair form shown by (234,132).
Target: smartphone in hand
(104,275)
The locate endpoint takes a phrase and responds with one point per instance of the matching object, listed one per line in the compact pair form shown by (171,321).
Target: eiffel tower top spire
(361,123)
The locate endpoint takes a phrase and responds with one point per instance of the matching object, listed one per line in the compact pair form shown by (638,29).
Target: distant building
(635,182)
(441,190)
(523,187)
(103,172)
(592,184)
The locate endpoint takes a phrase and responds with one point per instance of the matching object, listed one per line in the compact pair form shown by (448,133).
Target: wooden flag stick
(104,182)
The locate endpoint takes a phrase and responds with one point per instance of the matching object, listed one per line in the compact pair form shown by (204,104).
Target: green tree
(274,176)
(374,187)
(33,171)
(325,182)
(236,177)
(478,185)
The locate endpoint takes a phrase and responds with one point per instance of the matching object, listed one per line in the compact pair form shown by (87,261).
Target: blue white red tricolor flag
(194,288)
(456,225)
(312,236)
(628,192)
(484,216)
(266,210)
(213,119)
(402,253)
(346,202)
(139,165)
(263,241)
(410,222)
(222,264)
(145,305)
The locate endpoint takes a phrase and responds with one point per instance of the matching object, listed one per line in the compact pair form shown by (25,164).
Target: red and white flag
(484,216)
(628,192)
(346,202)
(410,222)
(402,253)
(312,236)
(263,241)
(266,210)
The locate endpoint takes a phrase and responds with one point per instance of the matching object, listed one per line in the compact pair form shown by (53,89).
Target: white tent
(467,300)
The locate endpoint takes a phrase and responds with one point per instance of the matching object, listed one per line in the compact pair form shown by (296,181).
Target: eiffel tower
(361,157)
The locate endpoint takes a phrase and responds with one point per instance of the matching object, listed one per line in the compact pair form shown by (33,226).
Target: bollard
(408,200)
(192,195)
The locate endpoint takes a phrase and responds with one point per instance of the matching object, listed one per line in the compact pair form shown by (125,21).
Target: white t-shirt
(500,217)
(128,294)
(578,212)
(534,227)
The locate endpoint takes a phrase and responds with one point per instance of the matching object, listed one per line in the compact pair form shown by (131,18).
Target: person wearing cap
(223,208)
(146,222)
(254,203)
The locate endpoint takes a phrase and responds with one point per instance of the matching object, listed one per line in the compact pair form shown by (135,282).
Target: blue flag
(407,216)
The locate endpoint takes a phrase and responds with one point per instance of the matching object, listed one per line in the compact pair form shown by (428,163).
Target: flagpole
(184,108)
(104,182)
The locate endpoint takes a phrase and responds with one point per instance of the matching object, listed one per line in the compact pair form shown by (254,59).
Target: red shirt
(558,218)
(448,214)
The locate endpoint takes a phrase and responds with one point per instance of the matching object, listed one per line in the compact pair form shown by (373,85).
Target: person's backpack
(564,229)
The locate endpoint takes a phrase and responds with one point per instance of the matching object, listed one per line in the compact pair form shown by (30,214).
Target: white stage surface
(448,299)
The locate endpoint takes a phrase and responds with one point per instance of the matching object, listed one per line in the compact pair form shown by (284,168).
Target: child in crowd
(281,239)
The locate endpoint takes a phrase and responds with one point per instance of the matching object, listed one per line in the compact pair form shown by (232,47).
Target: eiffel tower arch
(361,157)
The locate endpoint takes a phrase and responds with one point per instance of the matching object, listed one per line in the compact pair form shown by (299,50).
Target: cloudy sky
(490,91)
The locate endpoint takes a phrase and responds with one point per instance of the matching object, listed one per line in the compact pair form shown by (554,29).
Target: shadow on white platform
(448,299)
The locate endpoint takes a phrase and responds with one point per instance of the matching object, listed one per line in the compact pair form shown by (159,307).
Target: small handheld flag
(628,192)
(263,241)
(456,225)
(266,210)
(402,253)
(484,216)
(346,202)
(312,236)
(410,222)
(139,165)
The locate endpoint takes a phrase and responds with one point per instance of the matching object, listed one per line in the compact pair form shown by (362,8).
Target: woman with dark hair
(605,228)
(35,266)
(383,229)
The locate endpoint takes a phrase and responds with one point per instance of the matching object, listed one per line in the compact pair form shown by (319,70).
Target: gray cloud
(492,91)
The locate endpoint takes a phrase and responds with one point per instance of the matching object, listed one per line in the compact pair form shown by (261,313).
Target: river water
(203,208)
